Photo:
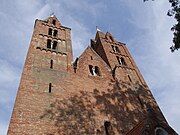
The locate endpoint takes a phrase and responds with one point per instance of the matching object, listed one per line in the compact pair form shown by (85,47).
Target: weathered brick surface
(79,103)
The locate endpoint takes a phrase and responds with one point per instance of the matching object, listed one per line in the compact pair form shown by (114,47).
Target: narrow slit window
(123,61)
(91,58)
(55,33)
(51,64)
(129,78)
(50,87)
(119,61)
(113,48)
(50,31)
(49,43)
(54,22)
(54,46)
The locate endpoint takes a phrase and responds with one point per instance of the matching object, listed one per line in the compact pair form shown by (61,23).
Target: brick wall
(78,102)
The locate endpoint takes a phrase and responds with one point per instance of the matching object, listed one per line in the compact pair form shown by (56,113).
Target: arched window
(49,43)
(97,71)
(55,33)
(107,126)
(113,48)
(118,59)
(117,49)
(50,31)
(123,61)
(160,131)
(91,69)
(54,46)
(54,22)
(94,70)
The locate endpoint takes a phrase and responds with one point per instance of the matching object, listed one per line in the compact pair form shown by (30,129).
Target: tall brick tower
(102,92)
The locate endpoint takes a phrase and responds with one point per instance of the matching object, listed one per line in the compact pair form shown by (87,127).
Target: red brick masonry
(102,92)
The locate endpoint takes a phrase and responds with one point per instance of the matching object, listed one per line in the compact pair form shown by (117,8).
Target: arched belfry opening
(94,70)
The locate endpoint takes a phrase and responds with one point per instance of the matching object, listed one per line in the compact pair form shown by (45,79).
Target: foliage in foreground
(174,12)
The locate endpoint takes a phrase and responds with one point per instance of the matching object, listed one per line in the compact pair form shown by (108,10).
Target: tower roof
(52,17)
(107,35)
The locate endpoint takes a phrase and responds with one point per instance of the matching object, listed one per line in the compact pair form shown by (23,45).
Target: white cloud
(3,127)
(80,36)
(83,6)
(8,81)
(8,73)
(9,78)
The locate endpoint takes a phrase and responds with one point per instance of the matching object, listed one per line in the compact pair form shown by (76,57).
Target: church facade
(101,93)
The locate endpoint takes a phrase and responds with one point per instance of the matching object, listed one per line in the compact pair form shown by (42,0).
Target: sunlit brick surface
(79,102)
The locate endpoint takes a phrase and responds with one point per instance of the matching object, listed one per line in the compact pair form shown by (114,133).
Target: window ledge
(52,37)
(51,50)
(97,77)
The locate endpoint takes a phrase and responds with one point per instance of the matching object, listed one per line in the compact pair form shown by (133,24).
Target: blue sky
(144,27)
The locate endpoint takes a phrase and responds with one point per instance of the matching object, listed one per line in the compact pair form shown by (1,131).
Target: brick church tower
(101,93)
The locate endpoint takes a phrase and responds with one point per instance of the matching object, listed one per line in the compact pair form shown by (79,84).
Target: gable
(53,21)
(90,58)
(149,126)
